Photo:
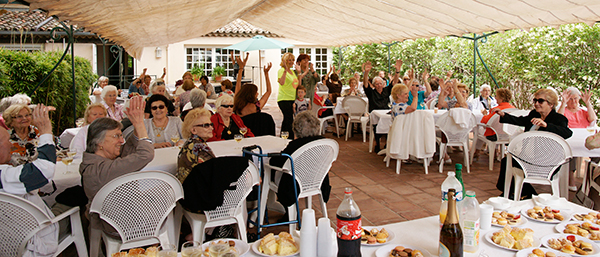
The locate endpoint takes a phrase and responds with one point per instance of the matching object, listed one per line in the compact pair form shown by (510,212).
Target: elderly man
(25,180)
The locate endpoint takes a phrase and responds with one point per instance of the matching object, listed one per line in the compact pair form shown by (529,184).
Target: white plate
(561,227)
(525,252)
(595,247)
(522,221)
(488,237)
(257,243)
(499,203)
(583,213)
(565,215)
(241,246)
(390,236)
(384,251)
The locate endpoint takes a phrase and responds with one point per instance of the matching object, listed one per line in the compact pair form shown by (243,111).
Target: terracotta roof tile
(19,20)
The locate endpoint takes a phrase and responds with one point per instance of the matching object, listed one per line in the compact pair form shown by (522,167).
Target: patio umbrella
(259,43)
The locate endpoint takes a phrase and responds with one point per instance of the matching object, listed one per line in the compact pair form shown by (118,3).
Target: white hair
(224,98)
(485,86)
(107,89)
(574,91)
(102,78)
(378,78)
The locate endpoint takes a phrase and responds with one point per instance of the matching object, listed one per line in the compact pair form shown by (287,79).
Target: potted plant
(218,72)
(197,72)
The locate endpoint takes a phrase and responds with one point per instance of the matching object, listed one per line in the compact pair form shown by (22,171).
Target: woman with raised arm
(569,107)
(288,82)
(246,96)
(307,75)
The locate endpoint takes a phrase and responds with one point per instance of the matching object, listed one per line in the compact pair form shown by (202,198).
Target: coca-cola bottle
(349,227)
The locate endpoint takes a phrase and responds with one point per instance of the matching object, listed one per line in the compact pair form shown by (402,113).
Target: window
(320,60)
(286,50)
(208,58)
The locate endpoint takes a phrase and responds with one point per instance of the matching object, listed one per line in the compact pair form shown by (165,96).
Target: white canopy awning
(135,24)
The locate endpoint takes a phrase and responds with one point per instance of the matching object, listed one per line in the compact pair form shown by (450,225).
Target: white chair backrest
(233,199)
(539,153)
(137,204)
(456,132)
(127,132)
(513,130)
(355,106)
(312,161)
(19,221)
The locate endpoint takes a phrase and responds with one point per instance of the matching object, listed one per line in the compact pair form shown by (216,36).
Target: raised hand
(398,65)
(449,74)
(310,66)
(425,75)
(586,96)
(565,95)
(367,67)
(267,67)
(41,119)
(411,74)
(135,111)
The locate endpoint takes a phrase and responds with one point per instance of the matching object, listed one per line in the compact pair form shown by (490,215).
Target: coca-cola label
(349,229)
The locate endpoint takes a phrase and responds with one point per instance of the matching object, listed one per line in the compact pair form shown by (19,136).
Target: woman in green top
(288,82)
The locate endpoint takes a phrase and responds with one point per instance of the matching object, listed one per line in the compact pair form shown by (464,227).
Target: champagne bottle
(451,237)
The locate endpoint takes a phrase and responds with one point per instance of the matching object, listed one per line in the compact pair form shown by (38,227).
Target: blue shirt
(134,89)
(398,109)
(420,102)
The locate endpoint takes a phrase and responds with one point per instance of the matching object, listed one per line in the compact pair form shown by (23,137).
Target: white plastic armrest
(74,210)
(284,170)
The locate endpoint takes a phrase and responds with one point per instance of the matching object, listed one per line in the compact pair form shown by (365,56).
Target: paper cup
(486,211)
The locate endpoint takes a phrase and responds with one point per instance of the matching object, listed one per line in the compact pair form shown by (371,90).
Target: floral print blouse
(23,150)
(194,151)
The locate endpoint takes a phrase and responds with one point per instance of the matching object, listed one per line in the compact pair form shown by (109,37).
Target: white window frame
(313,59)
(214,57)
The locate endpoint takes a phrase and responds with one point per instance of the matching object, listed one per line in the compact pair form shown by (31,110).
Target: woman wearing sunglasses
(161,126)
(543,118)
(197,128)
(226,123)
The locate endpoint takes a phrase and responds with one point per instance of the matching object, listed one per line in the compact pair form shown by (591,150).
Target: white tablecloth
(577,143)
(424,233)
(165,159)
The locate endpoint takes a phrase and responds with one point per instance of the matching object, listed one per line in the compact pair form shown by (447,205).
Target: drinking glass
(243,131)
(68,159)
(191,249)
(238,137)
(592,128)
(167,250)
(175,139)
(216,250)
(285,134)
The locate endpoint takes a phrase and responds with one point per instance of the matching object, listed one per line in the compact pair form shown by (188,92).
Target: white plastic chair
(456,135)
(232,211)
(358,112)
(21,220)
(322,120)
(503,138)
(312,162)
(539,153)
(139,206)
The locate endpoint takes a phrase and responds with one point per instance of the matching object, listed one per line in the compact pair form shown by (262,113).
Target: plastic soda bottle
(469,222)
(349,227)
(450,182)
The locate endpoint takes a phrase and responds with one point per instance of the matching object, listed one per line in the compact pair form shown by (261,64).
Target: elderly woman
(542,118)
(485,102)
(158,88)
(227,87)
(109,156)
(197,100)
(353,90)
(197,128)
(288,82)
(207,87)
(23,135)
(306,129)
(109,97)
(226,123)
(245,101)
(92,112)
(184,97)
(453,94)
(6,102)
(161,127)
(102,82)
(503,98)
(569,107)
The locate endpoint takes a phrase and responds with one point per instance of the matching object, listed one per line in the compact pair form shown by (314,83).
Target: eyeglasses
(157,107)
(539,100)
(20,117)
(160,83)
(205,125)
(117,136)
(227,105)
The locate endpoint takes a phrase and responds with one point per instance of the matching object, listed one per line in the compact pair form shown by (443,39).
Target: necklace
(157,129)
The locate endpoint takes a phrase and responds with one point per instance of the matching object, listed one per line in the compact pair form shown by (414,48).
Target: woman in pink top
(578,118)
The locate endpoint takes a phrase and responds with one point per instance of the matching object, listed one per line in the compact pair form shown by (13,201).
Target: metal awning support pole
(389,45)
(476,53)
(71,42)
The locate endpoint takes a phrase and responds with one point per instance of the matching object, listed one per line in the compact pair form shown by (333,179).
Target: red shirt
(577,119)
(219,126)
(486,118)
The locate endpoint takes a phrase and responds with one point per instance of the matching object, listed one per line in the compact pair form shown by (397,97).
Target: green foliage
(20,72)
(519,60)
(218,71)
(197,71)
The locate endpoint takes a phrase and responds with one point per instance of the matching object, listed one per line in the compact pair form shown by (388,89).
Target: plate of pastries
(571,244)
(375,236)
(503,218)
(545,214)
(582,228)
(540,252)
(397,250)
(277,245)
(513,238)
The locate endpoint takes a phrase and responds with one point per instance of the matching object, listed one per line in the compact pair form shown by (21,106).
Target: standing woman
(288,82)
(109,97)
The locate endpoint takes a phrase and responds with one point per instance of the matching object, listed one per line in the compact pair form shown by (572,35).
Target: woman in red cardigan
(224,129)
